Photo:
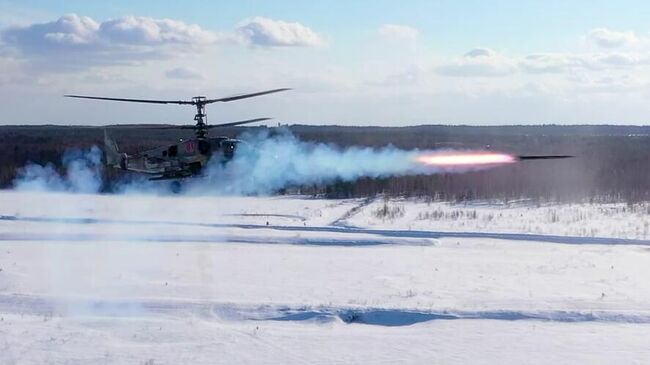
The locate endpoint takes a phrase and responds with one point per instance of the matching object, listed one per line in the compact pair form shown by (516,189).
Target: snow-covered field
(204,280)
(583,220)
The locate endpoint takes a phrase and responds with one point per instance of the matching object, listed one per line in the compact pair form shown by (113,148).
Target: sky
(348,62)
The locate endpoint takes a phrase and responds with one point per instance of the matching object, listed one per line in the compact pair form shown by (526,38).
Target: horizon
(362,63)
(144,125)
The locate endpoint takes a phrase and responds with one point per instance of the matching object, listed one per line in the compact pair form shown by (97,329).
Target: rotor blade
(244,96)
(548,157)
(188,126)
(231,124)
(131,100)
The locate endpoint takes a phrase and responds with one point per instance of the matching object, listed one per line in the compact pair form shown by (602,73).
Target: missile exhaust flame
(466,159)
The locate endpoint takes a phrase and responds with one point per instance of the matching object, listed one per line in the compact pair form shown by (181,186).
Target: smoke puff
(83,173)
(35,177)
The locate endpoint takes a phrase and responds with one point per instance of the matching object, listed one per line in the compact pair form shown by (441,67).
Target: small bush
(387,211)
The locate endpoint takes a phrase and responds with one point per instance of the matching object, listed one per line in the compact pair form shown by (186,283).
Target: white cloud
(549,63)
(396,32)
(411,76)
(617,50)
(149,31)
(607,38)
(74,42)
(68,31)
(184,73)
(479,52)
(481,62)
(265,32)
(608,84)
(10,71)
(558,62)
(621,59)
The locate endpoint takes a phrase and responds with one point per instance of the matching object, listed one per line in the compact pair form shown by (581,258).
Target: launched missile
(547,157)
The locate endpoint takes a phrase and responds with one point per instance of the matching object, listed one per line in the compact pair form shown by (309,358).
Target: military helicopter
(184,159)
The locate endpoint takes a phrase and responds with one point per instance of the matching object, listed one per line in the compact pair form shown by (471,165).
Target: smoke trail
(83,173)
(263,164)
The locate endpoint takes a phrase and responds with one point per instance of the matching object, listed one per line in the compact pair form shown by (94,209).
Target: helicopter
(184,159)
(188,158)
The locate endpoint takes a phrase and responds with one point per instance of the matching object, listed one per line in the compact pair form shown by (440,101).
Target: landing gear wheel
(175,187)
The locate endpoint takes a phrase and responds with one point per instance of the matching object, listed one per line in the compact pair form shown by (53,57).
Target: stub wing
(125,162)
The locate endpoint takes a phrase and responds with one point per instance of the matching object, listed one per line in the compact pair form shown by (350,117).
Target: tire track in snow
(342,220)
(391,317)
(571,240)
(209,239)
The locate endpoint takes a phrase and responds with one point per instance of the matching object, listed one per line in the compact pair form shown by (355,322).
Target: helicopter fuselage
(187,158)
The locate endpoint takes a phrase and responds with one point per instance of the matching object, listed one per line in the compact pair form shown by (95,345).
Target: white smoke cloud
(83,174)
(264,164)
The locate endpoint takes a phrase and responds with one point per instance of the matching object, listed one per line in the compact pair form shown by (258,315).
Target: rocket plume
(462,159)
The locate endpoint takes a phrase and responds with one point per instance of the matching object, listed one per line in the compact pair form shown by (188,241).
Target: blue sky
(357,62)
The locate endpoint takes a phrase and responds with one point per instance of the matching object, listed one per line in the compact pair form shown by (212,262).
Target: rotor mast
(200,118)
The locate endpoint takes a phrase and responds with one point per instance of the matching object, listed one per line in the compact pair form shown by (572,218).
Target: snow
(582,220)
(165,280)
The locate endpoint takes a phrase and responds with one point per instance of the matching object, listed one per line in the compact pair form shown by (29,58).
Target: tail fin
(113,157)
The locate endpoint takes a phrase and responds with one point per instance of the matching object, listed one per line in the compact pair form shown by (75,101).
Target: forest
(610,164)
